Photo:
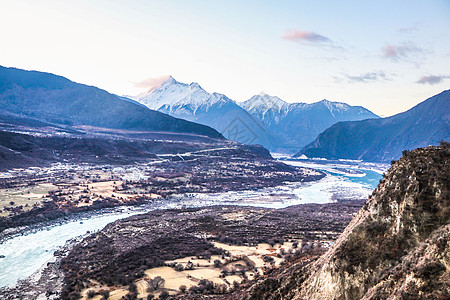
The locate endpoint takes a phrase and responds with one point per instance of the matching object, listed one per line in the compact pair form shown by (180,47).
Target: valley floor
(209,249)
(83,190)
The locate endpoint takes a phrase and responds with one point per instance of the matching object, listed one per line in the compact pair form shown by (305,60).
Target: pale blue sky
(384,55)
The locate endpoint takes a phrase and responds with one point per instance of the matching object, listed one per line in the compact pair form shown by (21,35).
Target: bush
(444,144)
(105,294)
(133,288)
(91,294)
(164,295)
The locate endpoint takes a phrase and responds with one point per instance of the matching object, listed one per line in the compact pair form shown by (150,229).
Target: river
(24,255)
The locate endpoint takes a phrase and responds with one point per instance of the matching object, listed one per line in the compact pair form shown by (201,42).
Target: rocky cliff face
(396,247)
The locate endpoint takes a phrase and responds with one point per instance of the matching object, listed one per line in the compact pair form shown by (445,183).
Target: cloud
(432,79)
(401,52)
(367,77)
(308,37)
(410,29)
(151,82)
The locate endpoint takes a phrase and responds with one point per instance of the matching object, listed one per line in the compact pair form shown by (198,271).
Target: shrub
(164,295)
(133,288)
(105,294)
(91,294)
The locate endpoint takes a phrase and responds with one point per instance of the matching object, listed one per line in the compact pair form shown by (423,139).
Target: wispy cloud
(432,79)
(305,36)
(151,82)
(369,77)
(313,39)
(400,52)
(410,29)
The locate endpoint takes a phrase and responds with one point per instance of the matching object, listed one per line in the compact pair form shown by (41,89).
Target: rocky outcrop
(396,247)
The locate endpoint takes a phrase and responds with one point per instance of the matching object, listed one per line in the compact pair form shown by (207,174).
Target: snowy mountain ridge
(263,103)
(262,119)
(172,95)
(271,108)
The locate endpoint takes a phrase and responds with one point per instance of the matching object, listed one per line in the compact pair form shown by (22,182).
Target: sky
(384,55)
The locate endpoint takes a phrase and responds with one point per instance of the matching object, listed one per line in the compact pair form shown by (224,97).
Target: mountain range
(43,103)
(263,119)
(53,99)
(299,123)
(191,102)
(382,140)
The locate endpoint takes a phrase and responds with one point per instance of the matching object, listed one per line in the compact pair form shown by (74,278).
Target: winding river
(24,255)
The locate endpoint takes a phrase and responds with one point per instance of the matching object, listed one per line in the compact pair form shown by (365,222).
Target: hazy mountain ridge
(55,99)
(396,247)
(384,139)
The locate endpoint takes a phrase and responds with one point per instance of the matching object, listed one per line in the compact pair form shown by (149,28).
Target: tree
(155,283)
(217,263)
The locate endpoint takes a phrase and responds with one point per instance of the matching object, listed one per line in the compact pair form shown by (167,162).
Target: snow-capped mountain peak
(169,80)
(195,85)
(263,103)
(268,109)
(173,95)
(334,105)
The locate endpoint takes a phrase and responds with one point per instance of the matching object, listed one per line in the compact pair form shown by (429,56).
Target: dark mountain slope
(55,99)
(22,150)
(384,139)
